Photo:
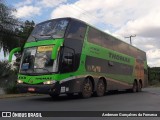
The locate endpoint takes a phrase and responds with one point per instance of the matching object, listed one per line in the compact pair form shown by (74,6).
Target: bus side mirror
(18,49)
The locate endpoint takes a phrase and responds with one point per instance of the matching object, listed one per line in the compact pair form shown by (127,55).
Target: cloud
(27,11)
(24,3)
(147,28)
(112,12)
(51,3)
(154,53)
(153,56)
(89,11)
(70,10)
(30,8)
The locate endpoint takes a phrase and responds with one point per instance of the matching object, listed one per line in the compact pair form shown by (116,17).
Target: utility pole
(130,38)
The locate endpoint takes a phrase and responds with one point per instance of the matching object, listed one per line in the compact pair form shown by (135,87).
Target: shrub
(8,77)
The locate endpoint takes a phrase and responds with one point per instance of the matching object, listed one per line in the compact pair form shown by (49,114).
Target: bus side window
(67,61)
(94,36)
(76,31)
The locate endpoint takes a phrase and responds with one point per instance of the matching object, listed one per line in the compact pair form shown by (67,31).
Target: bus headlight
(49,82)
(19,81)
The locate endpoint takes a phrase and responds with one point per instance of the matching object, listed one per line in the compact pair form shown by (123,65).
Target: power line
(88,13)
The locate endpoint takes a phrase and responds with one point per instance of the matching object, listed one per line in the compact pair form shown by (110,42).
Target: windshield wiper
(25,71)
(47,35)
(43,69)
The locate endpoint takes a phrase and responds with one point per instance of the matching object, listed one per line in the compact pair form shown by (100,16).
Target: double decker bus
(68,56)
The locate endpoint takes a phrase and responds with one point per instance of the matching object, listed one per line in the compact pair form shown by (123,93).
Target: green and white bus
(68,56)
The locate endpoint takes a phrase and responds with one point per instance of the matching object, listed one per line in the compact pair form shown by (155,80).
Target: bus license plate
(31,89)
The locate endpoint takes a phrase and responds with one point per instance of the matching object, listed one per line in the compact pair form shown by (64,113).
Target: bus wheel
(135,87)
(100,88)
(86,88)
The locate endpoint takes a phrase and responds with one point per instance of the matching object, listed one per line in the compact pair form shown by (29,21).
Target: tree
(13,33)
(25,30)
(8,23)
(154,75)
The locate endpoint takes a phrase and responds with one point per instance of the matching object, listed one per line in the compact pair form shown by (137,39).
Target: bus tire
(100,88)
(87,88)
(135,87)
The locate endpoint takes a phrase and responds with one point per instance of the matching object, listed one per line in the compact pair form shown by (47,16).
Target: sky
(121,18)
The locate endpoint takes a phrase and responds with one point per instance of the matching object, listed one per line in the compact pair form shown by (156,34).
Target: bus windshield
(38,60)
(50,29)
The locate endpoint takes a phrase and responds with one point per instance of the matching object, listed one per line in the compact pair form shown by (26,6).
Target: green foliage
(8,23)
(11,85)
(8,77)
(25,30)
(13,33)
(154,75)
(7,20)
(5,69)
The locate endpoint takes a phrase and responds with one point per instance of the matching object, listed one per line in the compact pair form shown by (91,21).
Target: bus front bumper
(42,89)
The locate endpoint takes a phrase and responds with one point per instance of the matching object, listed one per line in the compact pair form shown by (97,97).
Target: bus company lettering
(119,57)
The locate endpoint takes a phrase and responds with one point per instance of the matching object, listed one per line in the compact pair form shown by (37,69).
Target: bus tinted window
(76,30)
(68,58)
(125,48)
(121,47)
(107,41)
(99,38)
(94,36)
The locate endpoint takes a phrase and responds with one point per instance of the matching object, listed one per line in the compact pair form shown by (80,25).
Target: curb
(18,95)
